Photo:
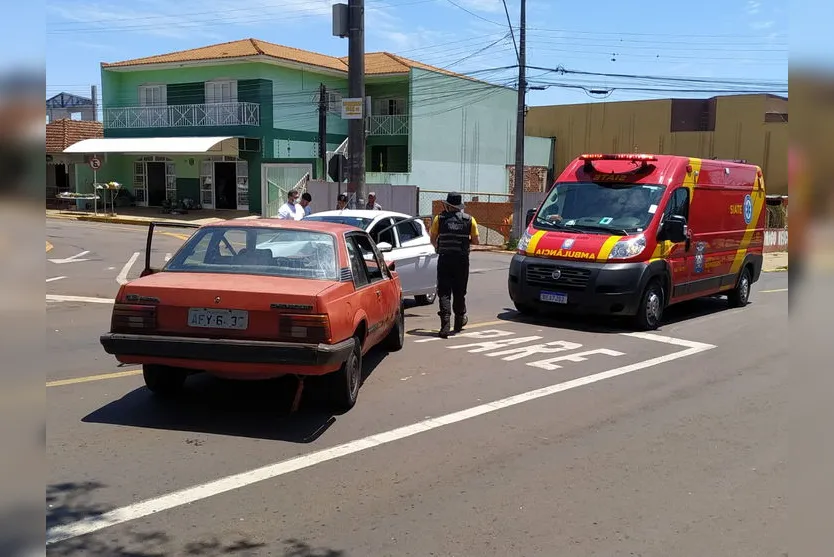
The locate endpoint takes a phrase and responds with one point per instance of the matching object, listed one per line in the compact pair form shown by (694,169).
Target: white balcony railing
(387,125)
(183,115)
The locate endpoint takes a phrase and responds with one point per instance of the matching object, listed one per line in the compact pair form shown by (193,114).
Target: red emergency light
(624,157)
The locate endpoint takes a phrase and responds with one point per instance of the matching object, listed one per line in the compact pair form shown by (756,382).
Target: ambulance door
(679,255)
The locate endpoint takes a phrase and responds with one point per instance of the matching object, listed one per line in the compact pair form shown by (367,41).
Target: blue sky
(729,44)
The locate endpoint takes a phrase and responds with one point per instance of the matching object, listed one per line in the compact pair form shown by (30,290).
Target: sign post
(95,164)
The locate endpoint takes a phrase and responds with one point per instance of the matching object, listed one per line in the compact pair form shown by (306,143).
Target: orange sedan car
(258,299)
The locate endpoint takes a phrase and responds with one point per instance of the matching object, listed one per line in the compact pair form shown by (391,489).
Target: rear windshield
(258,251)
(358,222)
(599,208)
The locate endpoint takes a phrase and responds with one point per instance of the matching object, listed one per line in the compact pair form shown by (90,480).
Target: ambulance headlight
(524,241)
(625,249)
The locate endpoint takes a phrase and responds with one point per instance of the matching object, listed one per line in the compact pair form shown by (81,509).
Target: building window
(389,107)
(693,115)
(388,158)
(221,91)
(151,95)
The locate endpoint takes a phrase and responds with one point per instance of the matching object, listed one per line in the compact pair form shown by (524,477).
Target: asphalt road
(456,447)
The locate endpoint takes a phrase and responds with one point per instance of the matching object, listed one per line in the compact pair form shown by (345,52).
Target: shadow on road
(69,502)
(613,325)
(253,409)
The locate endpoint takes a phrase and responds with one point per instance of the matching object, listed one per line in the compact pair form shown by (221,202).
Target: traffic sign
(95,163)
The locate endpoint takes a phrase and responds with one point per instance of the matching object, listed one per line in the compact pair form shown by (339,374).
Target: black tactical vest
(454,229)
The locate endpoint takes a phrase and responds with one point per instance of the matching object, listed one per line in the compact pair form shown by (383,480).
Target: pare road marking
(95,522)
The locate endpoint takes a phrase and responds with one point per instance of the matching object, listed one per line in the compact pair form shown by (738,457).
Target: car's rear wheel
(344,383)
(164,380)
(396,337)
(426,299)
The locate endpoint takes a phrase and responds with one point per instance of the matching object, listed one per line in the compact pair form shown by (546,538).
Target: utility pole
(518,193)
(323,128)
(356,90)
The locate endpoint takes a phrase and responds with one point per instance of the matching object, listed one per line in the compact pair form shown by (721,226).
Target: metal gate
(276,180)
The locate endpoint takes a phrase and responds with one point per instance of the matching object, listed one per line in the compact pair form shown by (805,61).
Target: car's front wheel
(344,383)
(164,380)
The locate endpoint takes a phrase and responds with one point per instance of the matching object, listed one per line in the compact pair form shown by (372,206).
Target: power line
(473,14)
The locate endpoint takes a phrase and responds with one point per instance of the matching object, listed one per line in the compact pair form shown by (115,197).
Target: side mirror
(392,265)
(384,247)
(529,218)
(674,229)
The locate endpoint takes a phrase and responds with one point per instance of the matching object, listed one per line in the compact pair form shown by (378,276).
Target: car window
(357,264)
(386,235)
(373,260)
(408,230)
(358,222)
(258,251)
(678,203)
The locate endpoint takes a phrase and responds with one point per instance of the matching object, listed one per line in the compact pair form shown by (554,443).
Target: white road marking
(491,345)
(83,299)
(72,259)
(223,485)
(427,339)
(524,351)
(53,279)
(551,365)
(122,278)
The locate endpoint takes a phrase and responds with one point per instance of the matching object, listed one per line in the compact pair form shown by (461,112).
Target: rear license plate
(218,318)
(553,297)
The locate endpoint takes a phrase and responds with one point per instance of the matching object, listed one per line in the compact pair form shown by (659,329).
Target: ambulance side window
(678,204)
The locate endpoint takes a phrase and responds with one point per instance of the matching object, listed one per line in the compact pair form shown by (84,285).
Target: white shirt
(291,211)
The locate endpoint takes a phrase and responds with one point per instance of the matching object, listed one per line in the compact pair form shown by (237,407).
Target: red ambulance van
(630,234)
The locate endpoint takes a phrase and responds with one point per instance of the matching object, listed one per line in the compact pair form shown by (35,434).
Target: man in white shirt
(291,210)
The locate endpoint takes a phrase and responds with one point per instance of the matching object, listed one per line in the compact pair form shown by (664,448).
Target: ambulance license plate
(553,297)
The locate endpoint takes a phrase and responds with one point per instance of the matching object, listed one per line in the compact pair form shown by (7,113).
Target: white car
(401,239)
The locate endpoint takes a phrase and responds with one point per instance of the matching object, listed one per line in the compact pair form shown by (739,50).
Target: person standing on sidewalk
(306,199)
(452,233)
(291,210)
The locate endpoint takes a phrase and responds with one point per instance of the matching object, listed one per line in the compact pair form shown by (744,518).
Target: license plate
(218,318)
(553,297)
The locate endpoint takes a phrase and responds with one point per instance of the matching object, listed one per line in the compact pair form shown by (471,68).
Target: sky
(603,50)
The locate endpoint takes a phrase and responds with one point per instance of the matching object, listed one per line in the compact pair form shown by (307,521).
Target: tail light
(304,328)
(132,318)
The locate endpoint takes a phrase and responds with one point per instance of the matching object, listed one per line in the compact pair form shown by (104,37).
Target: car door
(681,255)
(372,290)
(416,257)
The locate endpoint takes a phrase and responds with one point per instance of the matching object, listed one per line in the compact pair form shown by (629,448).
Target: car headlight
(523,241)
(625,249)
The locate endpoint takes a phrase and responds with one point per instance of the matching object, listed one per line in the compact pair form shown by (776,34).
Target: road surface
(487,443)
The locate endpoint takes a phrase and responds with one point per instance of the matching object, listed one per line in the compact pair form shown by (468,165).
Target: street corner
(775,262)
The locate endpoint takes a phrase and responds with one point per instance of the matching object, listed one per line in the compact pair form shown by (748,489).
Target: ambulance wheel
(740,295)
(650,312)
(524,309)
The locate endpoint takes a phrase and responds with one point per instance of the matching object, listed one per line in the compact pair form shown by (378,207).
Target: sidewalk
(144,217)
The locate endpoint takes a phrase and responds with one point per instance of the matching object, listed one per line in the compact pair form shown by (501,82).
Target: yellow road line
(49,247)
(175,235)
(776,290)
(87,379)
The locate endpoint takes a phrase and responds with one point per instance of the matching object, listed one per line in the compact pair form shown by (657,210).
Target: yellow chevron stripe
(534,241)
(606,248)
(758,195)
(691,180)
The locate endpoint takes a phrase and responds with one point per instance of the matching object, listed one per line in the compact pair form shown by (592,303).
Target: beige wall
(643,126)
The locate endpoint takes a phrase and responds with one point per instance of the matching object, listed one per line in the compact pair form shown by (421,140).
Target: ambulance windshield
(599,208)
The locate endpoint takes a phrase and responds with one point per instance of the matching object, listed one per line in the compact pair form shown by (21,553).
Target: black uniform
(453,239)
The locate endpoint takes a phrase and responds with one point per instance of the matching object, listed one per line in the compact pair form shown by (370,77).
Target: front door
(225,185)
(156,183)
(276,180)
(680,255)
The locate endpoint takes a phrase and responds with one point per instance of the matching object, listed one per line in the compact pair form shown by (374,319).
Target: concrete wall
(740,132)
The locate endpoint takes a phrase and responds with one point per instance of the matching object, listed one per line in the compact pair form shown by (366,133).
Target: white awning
(157,146)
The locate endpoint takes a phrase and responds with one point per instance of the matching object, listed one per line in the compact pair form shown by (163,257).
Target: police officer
(452,232)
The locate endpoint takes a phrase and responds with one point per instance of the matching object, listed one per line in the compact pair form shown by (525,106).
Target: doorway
(225,185)
(62,180)
(156,183)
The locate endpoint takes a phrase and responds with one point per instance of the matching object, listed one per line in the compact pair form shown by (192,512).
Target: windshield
(599,208)
(258,251)
(358,222)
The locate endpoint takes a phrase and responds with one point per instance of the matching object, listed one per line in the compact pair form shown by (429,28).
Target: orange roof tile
(376,63)
(62,133)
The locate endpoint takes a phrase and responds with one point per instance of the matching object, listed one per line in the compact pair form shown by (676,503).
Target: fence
(492,211)
(402,199)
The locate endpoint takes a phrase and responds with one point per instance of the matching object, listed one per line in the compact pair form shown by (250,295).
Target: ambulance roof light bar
(590,158)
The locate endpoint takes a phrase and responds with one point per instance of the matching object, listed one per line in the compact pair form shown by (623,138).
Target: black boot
(444,326)
(460,322)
